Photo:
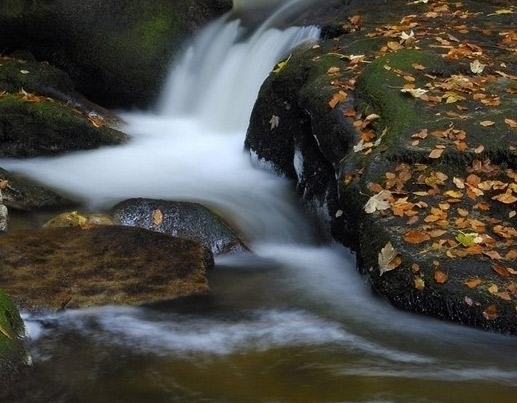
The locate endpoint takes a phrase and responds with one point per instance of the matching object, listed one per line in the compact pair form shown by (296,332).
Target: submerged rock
(13,355)
(183,219)
(75,219)
(62,268)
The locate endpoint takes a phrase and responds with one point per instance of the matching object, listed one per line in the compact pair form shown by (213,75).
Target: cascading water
(293,322)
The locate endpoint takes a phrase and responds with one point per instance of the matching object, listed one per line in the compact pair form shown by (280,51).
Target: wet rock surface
(65,268)
(408,147)
(116,52)
(182,219)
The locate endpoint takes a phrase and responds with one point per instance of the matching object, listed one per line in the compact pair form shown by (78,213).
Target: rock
(32,126)
(13,355)
(65,268)
(74,219)
(116,52)
(431,175)
(183,219)
(24,194)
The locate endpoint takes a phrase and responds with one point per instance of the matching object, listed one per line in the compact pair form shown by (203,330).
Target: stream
(294,322)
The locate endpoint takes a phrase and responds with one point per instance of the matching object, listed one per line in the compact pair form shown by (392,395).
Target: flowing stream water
(294,322)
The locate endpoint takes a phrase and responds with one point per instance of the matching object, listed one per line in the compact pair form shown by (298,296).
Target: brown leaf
(506,198)
(491,313)
(512,123)
(501,270)
(436,153)
(337,98)
(473,282)
(415,237)
(440,277)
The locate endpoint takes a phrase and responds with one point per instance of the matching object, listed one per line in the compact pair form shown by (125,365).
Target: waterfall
(192,148)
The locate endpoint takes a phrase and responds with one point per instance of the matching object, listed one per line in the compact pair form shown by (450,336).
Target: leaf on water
(157,217)
(416,237)
(440,277)
(378,202)
(281,65)
(274,121)
(477,67)
(388,259)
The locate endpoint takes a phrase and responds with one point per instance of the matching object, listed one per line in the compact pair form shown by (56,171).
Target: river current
(294,322)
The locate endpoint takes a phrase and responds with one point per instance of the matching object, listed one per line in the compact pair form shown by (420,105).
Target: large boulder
(405,134)
(183,219)
(62,268)
(117,52)
(13,355)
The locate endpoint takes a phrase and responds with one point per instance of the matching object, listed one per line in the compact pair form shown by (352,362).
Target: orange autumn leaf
(436,153)
(491,313)
(473,282)
(440,277)
(416,237)
(337,98)
(501,270)
(157,217)
(506,198)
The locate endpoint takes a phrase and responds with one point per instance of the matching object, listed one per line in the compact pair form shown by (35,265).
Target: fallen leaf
(512,123)
(473,283)
(387,259)
(506,198)
(468,240)
(281,65)
(492,254)
(440,277)
(477,67)
(436,153)
(337,98)
(333,70)
(419,283)
(501,270)
(378,202)
(487,123)
(4,332)
(416,237)
(157,217)
(493,289)
(274,121)
(491,313)
(415,92)
(479,149)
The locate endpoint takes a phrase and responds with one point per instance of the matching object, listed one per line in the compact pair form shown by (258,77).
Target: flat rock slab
(65,268)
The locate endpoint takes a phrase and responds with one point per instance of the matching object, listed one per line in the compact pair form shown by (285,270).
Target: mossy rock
(43,127)
(65,268)
(13,356)
(117,52)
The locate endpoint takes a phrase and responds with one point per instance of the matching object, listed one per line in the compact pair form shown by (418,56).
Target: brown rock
(62,268)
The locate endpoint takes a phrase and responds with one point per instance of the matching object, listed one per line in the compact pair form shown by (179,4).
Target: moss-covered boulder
(184,219)
(13,356)
(117,52)
(61,268)
(32,126)
(411,124)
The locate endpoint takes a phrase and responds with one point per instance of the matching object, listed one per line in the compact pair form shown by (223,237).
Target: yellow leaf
(415,92)
(454,194)
(281,65)
(157,217)
(4,332)
(419,283)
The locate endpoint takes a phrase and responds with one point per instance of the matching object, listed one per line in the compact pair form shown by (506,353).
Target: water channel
(294,322)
